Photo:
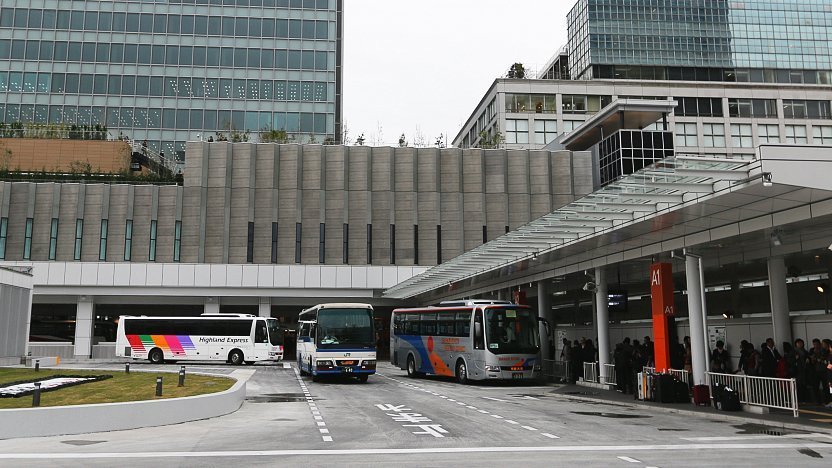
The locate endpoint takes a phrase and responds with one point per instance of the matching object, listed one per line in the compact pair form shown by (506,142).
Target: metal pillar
(696,292)
(84,322)
(779,297)
(264,307)
(602,320)
(212,305)
(544,311)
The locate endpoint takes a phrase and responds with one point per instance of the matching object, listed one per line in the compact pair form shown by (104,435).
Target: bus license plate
(348,369)
(516,375)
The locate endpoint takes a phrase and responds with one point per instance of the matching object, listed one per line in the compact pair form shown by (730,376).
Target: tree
(360,140)
(345,134)
(440,141)
(402,141)
(491,140)
(270,135)
(517,71)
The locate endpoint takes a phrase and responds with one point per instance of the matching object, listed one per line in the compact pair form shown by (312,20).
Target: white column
(212,305)
(264,308)
(544,311)
(602,318)
(84,321)
(697,325)
(779,301)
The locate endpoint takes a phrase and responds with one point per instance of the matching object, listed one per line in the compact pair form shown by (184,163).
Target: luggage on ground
(726,398)
(665,388)
(682,392)
(701,395)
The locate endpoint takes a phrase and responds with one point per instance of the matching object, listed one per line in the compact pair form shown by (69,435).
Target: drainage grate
(82,442)
(277,398)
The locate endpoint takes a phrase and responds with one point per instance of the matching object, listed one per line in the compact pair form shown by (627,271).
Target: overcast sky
(425,64)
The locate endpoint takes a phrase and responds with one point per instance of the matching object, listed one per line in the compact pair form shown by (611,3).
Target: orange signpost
(661,289)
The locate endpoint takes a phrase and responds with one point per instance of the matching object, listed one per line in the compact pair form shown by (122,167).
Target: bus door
(478,332)
(305,343)
(260,345)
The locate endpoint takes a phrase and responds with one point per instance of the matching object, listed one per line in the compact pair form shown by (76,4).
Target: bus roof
(473,302)
(339,305)
(441,308)
(192,317)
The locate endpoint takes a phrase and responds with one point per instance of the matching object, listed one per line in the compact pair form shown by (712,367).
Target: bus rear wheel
(363,378)
(236,357)
(461,372)
(156,356)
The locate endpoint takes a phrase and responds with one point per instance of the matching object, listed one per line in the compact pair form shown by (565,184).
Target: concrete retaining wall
(81,419)
(61,350)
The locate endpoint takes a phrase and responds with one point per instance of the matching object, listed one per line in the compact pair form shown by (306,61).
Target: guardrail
(591,372)
(608,375)
(680,374)
(556,370)
(766,392)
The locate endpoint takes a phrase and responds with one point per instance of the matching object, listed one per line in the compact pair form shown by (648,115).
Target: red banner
(661,289)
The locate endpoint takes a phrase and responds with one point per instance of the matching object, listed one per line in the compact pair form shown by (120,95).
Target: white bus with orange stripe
(233,338)
(468,340)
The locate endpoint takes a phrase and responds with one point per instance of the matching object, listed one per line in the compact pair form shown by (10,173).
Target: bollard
(37,365)
(36,395)
(127,368)
(182,376)
(158,386)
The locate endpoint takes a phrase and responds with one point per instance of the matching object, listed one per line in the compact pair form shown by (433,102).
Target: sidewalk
(812,418)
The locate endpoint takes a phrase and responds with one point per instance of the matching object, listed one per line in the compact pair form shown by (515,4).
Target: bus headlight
(537,367)
(369,362)
(492,368)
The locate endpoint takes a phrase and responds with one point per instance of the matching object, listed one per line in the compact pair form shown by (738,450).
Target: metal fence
(760,391)
(591,372)
(608,375)
(680,374)
(556,370)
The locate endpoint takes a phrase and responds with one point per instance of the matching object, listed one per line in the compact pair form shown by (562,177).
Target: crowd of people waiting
(811,368)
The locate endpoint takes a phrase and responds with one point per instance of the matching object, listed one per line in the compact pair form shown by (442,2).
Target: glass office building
(771,41)
(169,71)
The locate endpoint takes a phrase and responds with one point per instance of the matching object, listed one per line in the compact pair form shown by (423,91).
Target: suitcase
(701,395)
(665,388)
(727,399)
(682,392)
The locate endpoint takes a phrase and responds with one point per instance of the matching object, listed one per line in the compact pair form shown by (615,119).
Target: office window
(801,109)
(298,233)
(415,244)
(392,244)
(79,235)
(438,244)
(768,133)
(758,108)
(274,242)
(128,240)
(517,131)
(322,243)
(796,134)
(545,131)
(714,135)
(686,134)
(741,136)
(369,244)
(699,107)
(4,228)
(27,242)
(822,134)
(177,241)
(151,254)
(250,243)
(346,244)
(53,239)
(102,242)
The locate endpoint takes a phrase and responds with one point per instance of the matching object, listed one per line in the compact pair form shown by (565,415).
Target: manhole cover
(610,415)
(82,442)
(277,398)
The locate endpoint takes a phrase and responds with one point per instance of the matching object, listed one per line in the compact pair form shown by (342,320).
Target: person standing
(770,358)
(720,359)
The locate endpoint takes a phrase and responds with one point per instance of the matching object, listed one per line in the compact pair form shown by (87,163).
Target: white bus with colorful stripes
(468,340)
(232,338)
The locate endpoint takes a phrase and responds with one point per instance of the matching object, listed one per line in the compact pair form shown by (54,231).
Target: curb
(718,416)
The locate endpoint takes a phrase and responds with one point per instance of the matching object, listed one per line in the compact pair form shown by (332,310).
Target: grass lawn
(122,387)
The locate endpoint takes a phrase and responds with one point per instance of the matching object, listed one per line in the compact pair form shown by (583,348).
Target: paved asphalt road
(291,421)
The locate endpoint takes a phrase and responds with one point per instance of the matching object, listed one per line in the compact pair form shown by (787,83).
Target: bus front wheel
(156,356)
(461,372)
(236,357)
(411,367)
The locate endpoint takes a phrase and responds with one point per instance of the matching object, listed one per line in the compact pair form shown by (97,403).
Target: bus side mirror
(478,329)
(546,326)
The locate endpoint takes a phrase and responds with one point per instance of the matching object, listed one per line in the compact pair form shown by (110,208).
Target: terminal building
(167,72)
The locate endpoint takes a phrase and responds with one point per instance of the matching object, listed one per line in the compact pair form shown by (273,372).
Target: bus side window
(479,341)
(397,324)
(260,333)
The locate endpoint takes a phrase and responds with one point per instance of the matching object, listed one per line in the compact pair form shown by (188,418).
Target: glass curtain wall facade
(169,71)
(773,41)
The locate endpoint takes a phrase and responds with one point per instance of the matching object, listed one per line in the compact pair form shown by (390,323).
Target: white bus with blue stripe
(337,340)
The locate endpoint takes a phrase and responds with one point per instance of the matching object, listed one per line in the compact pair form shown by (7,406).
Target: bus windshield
(338,328)
(275,333)
(512,331)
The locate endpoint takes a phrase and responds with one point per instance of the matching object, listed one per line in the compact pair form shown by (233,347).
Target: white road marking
(483,411)
(324,431)
(461,403)
(551,436)
(286,365)
(495,399)
(528,428)
(472,407)
(511,422)
(757,437)
(451,399)
(629,460)
(496,416)
(319,418)
(321,423)
(404,451)
(327,438)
